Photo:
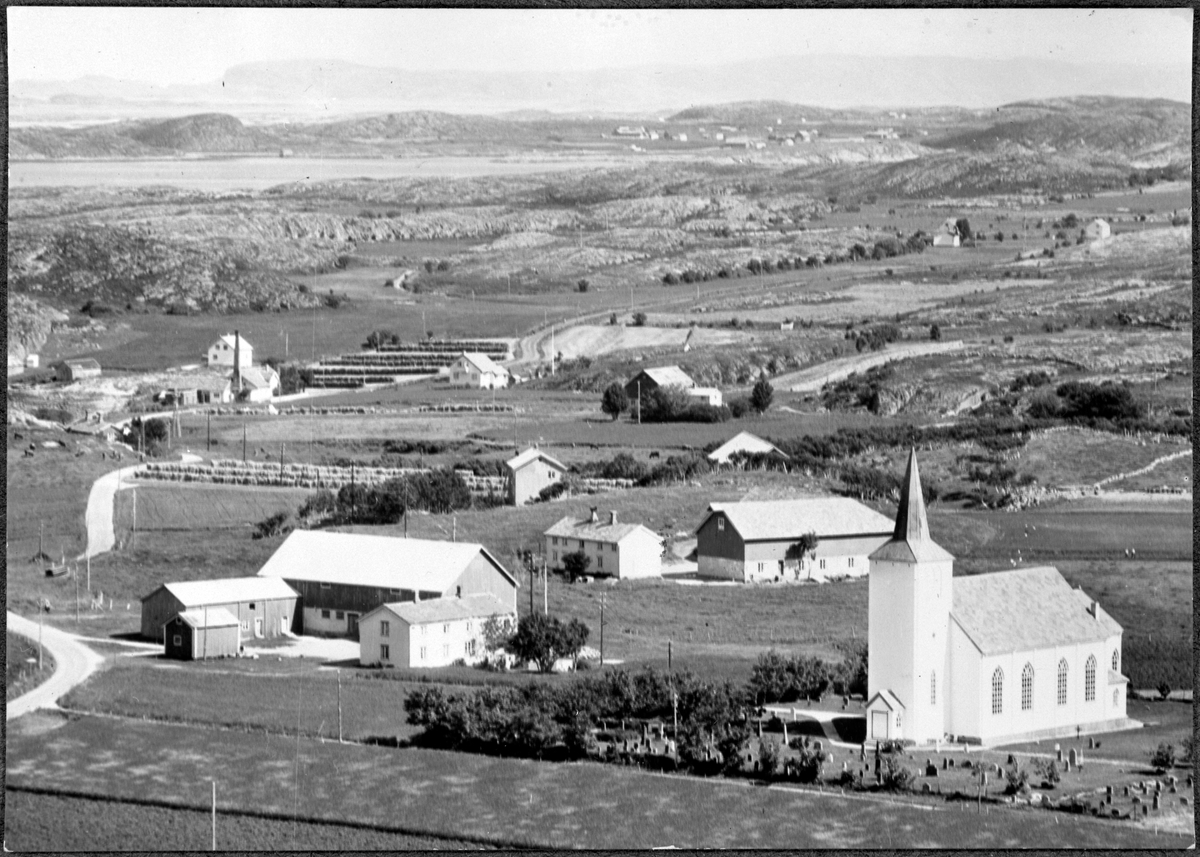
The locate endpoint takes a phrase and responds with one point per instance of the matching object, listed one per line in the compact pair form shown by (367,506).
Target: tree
(583,285)
(935,332)
(762,394)
(615,401)
(964,228)
(544,639)
(576,564)
(805,547)
(639,319)
(497,631)
(1163,757)
(769,755)
(895,777)
(377,338)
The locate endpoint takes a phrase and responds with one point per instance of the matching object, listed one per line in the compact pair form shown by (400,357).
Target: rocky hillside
(29,323)
(208,133)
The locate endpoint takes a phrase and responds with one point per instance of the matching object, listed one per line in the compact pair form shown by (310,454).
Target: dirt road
(101,537)
(74,662)
(811,380)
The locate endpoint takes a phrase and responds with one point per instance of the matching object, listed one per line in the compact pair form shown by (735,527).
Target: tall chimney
(237,363)
(612,518)
(1094,609)
(595,517)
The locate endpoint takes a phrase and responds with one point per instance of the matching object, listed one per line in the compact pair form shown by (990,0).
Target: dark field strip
(506,801)
(64,820)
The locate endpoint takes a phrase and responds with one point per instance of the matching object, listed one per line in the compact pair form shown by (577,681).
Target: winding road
(73,663)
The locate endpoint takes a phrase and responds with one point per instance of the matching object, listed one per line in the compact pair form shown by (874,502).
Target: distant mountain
(209,133)
(336,87)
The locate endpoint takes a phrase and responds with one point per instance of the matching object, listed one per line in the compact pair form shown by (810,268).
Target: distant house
(660,376)
(682,138)
(418,634)
(708,395)
(198,634)
(259,383)
(530,473)
(220,353)
(73,370)
(750,541)
(747,443)
(400,281)
(477,371)
(343,576)
(947,234)
(738,141)
(616,549)
(264,608)
(16,366)
(631,131)
(201,389)
(1097,230)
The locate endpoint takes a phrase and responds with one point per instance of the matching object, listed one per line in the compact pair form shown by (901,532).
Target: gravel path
(74,662)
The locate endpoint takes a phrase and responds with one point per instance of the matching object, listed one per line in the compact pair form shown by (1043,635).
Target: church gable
(1026,609)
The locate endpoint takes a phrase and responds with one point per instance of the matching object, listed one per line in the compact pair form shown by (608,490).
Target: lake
(225,174)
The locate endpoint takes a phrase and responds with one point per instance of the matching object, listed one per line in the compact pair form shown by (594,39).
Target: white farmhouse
(477,371)
(947,234)
(989,659)
(615,549)
(422,634)
(259,383)
(1097,230)
(220,353)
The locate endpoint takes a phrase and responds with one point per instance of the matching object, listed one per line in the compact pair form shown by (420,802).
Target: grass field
(434,793)
(20,675)
(1084,458)
(199,506)
(55,822)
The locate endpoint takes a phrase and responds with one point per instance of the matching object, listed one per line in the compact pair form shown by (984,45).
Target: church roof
(910,540)
(1024,609)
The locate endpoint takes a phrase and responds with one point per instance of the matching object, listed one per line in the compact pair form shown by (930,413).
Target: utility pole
(530,567)
(243,441)
(668,656)
(135,516)
(545,589)
(280,462)
(214,815)
(75,574)
(601,630)
(339,675)
(40,611)
(208,434)
(639,402)
(88,557)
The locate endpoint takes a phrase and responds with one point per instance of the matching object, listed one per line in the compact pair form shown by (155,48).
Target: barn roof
(448,609)
(601,531)
(743,442)
(82,363)
(1024,609)
(197,593)
(385,562)
(212,617)
(665,376)
(533,454)
(483,363)
(770,520)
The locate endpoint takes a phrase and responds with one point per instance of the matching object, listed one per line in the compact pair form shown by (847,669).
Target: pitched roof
(385,562)
(533,454)
(1024,609)
(228,339)
(482,362)
(910,541)
(783,519)
(743,442)
(888,698)
(213,617)
(665,376)
(448,609)
(259,377)
(601,531)
(82,363)
(197,593)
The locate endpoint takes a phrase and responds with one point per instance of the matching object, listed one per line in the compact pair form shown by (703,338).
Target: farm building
(1097,230)
(201,389)
(343,576)
(746,443)
(73,370)
(220,353)
(400,281)
(477,371)
(259,383)
(615,549)
(660,376)
(435,633)
(947,234)
(16,366)
(264,608)
(751,542)
(991,658)
(195,635)
(530,473)
(707,395)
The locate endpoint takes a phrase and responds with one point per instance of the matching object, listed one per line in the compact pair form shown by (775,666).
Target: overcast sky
(169,45)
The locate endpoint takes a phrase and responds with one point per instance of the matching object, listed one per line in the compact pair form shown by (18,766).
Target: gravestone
(945,763)
(1073,758)
(1108,790)
(952,763)
(1136,800)
(1156,802)
(1173,789)
(1058,754)
(1091,743)
(1125,792)
(1183,801)
(931,770)
(1011,760)
(1145,810)
(845,767)
(925,789)
(785,738)
(817,745)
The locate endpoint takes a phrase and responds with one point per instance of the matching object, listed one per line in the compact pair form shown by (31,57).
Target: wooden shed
(210,632)
(264,608)
(73,370)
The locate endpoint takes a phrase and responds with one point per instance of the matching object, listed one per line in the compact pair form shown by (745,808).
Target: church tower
(909,614)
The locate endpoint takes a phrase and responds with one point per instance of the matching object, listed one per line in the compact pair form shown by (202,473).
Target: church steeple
(910,540)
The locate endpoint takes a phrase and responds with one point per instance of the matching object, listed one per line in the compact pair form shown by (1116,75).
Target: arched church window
(1062,682)
(933,687)
(1116,660)
(998,691)
(1027,687)
(1089,679)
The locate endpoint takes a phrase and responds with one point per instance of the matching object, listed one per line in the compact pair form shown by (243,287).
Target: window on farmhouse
(422,653)
(720,525)
(385,653)
(822,563)
(599,562)
(850,562)
(251,605)
(385,629)
(341,614)
(326,585)
(933,687)
(178,640)
(324,614)
(446,628)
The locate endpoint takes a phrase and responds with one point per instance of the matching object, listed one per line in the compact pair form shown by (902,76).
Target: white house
(259,383)
(753,542)
(615,549)
(947,234)
(747,443)
(477,371)
(220,353)
(994,658)
(416,634)
(707,395)
(1097,230)
(530,473)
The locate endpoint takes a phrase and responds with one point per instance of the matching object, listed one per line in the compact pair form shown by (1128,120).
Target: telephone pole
(243,441)
(208,434)
(214,815)
(339,675)
(601,630)
(545,589)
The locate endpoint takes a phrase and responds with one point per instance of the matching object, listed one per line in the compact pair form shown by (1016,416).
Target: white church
(987,659)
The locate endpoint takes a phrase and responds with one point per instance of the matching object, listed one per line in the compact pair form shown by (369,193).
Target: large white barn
(992,658)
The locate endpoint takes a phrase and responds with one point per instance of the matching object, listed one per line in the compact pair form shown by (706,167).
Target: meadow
(21,672)
(507,801)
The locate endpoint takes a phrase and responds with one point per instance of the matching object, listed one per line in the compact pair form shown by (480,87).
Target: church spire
(911,523)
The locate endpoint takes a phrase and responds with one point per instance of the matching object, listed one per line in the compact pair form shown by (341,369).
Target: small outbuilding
(477,371)
(530,473)
(264,607)
(195,635)
(421,634)
(73,370)
(1097,230)
(947,234)
(259,383)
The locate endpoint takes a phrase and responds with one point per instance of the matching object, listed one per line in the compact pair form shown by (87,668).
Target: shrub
(576,564)
(762,394)
(1163,757)
(671,278)
(615,401)
(276,525)
(582,285)
(639,319)
(443,265)
(935,332)
(738,406)
(769,755)
(895,777)
(1016,779)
